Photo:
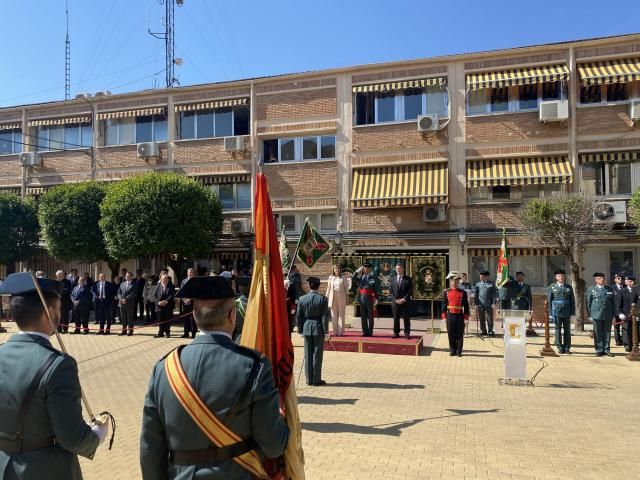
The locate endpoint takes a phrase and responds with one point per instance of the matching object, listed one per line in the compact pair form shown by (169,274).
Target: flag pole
(295,255)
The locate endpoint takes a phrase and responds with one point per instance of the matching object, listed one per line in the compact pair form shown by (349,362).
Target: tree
(160,214)
(18,229)
(566,222)
(634,209)
(69,216)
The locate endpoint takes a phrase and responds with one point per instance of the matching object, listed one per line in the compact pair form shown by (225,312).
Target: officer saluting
(455,310)
(212,408)
(41,426)
(562,303)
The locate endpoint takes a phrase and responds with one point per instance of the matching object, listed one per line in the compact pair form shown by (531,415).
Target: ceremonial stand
(634,355)
(548,350)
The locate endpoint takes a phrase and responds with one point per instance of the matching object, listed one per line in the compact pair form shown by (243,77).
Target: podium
(515,344)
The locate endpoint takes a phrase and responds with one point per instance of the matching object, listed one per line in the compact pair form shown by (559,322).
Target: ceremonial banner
(384,266)
(266,326)
(428,274)
(284,251)
(311,246)
(502,276)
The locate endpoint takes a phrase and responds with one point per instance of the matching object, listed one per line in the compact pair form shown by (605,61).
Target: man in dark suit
(186,309)
(81,298)
(127,301)
(47,409)
(617,288)
(628,296)
(73,277)
(65,301)
(401,291)
(103,293)
(521,297)
(164,300)
(235,384)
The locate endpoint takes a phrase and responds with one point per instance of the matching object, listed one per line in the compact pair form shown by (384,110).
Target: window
(502,192)
(602,178)
(233,196)
(621,262)
(499,99)
(288,222)
(327,221)
(10,141)
(476,102)
(513,99)
(527,97)
(63,137)
(210,123)
(400,105)
(126,131)
(513,192)
(591,94)
(613,92)
(299,148)
(293,222)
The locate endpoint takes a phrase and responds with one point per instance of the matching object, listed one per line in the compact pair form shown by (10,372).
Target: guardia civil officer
(236,388)
(367,283)
(520,295)
(312,317)
(42,431)
(601,307)
(485,298)
(455,310)
(562,304)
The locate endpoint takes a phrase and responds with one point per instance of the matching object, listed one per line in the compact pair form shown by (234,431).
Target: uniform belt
(454,308)
(212,454)
(16,446)
(366,291)
(314,319)
(561,302)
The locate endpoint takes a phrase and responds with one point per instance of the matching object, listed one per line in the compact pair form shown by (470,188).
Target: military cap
(453,274)
(598,274)
(313,280)
(619,275)
(22,284)
(559,272)
(631,278)
(367,265)
(206,288)
(485,272)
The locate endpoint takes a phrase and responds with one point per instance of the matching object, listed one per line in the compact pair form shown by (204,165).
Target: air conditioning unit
(554,110)
(241,225)
(428,123)
(233,144)
(30,159)
(148,150)
(634,110)
(434,213)
(613,212)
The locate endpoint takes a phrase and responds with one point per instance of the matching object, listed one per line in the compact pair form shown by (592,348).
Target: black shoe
(129,334)
(491,334)
(459,354)
(609,354)
(599,354)
(561,351)
(407,336)
(452,354)
(186,335)
(618,344)
(158,336)
(628,350)
(568,352)
(484,334)
(395,335)
(123,333)
(86,332)
(101,332)
(320,383)
(168,335)
(107,332)
(193,335)
(75,332)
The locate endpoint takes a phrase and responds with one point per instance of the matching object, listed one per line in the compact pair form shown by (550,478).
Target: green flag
(311,246)
(502,276)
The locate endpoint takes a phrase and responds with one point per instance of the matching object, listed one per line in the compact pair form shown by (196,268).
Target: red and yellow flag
(266,325)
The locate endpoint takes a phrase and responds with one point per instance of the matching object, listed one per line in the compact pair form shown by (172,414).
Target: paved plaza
(402,417)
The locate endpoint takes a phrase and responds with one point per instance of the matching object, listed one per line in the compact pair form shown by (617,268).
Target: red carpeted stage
(381,342)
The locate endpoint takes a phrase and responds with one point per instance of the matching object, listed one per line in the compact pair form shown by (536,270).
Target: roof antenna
(67,59)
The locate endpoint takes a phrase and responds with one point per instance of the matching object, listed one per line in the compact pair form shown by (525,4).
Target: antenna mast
(169,42)
(67,59)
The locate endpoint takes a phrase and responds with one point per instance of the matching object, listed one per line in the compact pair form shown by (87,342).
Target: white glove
(590,319)
(622,316)
(101,431)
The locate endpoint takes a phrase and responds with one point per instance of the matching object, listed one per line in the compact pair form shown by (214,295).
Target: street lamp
(337,242)
(462,238)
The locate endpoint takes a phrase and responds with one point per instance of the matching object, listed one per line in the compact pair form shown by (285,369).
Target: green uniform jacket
(217,369)
(521,298)
(562,302)
(312,315)
(485,293)
(55,410)
(366,281)
(600,303)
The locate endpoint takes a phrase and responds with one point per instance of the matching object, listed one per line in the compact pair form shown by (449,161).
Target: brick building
(344,147)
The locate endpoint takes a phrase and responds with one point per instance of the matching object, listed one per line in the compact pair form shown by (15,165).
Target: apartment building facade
(423,161)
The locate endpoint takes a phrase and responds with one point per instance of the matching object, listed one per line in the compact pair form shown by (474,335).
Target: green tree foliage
(160,214)
(566,222)
(634,209)
(18,229)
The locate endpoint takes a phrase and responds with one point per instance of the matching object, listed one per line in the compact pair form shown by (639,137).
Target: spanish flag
(266,326)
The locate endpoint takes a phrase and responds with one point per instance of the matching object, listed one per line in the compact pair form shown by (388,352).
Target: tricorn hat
(559,271)
(598,274)
(206,288)
(22,284)
(453,274)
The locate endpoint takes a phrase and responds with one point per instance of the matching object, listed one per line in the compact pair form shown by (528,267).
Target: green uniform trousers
(313,353)
(563,332)
(602,335)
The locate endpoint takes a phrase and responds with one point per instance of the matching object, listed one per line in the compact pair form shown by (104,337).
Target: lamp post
(337,242)
(634,355)
(462,238)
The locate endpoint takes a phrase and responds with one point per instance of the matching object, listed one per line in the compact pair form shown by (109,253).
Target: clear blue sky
(231,39)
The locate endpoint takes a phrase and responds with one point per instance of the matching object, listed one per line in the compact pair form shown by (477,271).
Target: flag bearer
(455,310)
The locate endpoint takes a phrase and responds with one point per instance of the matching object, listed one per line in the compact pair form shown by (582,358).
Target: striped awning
(60,121)
(14,190)
(520,76)
(230,256)
(610,71)
(389,86)
(516,252)
(217,179)
(518,171)
(142,112)
(401,185)
(189,107)
(591,157)
(37,190)
(10,126)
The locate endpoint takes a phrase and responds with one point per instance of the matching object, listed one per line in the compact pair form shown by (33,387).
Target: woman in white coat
(338,287)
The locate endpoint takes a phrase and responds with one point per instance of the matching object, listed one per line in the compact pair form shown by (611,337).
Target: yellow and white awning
(515,252)
(400,185)
(189,107)
(10,126)
(14,190)
(520,76)
(60,121)
(610,71)
(390,86)
(141,112)
(591,157)
(216,179)
(518,171)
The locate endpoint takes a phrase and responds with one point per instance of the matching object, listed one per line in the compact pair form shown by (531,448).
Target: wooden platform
(380,342)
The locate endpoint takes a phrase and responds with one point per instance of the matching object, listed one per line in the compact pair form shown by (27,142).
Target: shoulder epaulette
(255,354)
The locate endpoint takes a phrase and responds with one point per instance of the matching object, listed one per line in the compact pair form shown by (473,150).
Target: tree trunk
(579,289)
(114,267)
(11,268)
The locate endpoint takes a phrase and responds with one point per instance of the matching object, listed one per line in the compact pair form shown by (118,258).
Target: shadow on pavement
(393,429)
(594,386)
(327,401)
(385,386)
